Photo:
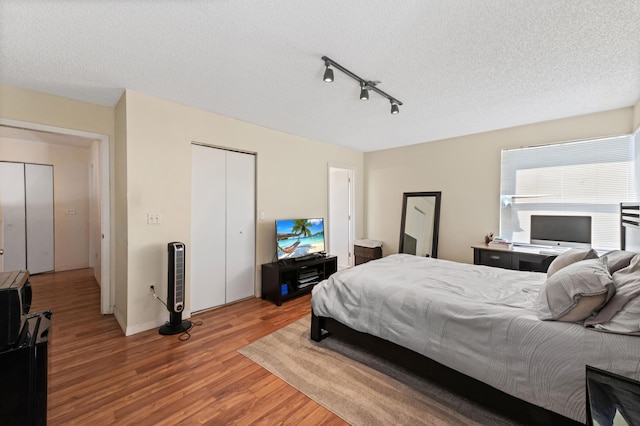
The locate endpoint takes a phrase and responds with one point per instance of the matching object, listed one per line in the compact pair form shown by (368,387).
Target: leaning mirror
(420,221)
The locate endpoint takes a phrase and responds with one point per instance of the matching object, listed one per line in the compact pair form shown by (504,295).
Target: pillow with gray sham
(569,257)
(576,291)
(618,259)
(622,313)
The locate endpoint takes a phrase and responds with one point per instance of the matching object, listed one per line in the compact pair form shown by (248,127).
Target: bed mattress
(480,321)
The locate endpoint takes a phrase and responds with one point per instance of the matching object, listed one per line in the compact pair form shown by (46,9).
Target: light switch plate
(153,218)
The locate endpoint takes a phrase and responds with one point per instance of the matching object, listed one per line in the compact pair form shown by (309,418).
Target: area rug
(358,386)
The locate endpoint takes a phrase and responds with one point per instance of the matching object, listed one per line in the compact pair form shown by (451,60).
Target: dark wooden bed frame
(493,399)
(468,387)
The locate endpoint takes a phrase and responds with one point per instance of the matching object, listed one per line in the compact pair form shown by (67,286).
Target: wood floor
(98,376)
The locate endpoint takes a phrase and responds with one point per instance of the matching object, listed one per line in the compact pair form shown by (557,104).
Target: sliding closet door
(14,227)
(26,200)
(208,227)
(222,227)
(240,178)
(38,181)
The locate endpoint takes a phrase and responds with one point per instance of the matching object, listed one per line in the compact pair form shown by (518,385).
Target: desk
(520,258)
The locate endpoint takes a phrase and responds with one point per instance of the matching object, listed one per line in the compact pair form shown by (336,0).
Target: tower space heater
(176,290)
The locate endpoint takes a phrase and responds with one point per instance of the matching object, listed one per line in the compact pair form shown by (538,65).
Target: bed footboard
(481,393)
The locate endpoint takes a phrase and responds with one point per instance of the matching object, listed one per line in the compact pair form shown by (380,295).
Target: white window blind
(578,178)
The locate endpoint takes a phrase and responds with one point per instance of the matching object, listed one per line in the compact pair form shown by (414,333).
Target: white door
(12,196)
(222,227)
(341,234)
(240,226)
(38,181)
(208,228)
(26,195)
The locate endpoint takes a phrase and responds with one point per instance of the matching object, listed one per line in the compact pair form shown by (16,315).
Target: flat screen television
(563,231)
(612,399)
(298,238)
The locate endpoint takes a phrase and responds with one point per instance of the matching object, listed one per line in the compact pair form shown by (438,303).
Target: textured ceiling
(459,66)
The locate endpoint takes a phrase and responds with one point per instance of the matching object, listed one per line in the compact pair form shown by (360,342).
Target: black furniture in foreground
(611,398)
(23,369)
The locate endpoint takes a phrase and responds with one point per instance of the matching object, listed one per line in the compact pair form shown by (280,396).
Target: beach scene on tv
(299,237)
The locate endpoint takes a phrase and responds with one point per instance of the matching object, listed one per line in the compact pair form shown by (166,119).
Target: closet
(26,217)
(222,227)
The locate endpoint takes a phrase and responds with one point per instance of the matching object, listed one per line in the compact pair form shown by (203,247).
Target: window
(578,178)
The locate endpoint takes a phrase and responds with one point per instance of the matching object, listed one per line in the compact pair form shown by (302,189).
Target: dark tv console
(282,281)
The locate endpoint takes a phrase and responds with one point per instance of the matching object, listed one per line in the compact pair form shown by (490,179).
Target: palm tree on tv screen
(301,227)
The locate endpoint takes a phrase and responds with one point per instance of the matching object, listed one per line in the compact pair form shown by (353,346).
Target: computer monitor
(611,399)
(563,231)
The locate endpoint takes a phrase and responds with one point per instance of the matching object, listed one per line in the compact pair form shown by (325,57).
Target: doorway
(341,215)
(52,135)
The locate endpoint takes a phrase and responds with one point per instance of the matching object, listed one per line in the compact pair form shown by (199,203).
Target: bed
(478,329)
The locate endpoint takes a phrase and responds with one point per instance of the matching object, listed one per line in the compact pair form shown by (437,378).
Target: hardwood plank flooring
(98,376)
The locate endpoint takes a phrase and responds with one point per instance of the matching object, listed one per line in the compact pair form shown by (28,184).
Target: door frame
(352,222)
(107,289)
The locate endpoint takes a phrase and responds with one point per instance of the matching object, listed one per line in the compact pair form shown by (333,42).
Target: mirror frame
(436,218)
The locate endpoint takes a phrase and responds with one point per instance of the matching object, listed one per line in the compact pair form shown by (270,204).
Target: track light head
(364,93)
(394,108)
(328,73)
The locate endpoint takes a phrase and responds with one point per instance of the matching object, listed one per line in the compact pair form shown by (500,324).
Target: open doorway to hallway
(84,190)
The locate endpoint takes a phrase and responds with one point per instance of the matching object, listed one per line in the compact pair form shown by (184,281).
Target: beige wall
(36,107)
(636,116)
(70,190)
(467,171)
(291,181)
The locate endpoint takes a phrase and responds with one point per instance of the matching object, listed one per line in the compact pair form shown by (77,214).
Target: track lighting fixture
(364,93)
(328,73)
(365,85)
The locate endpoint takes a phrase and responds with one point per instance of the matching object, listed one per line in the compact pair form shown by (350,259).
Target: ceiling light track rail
(365,85)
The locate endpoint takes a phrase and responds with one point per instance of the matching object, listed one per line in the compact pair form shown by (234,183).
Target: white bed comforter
(477,320)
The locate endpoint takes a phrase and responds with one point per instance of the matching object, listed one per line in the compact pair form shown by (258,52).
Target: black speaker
(176,290)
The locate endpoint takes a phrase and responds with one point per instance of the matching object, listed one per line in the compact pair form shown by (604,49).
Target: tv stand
(283,281)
